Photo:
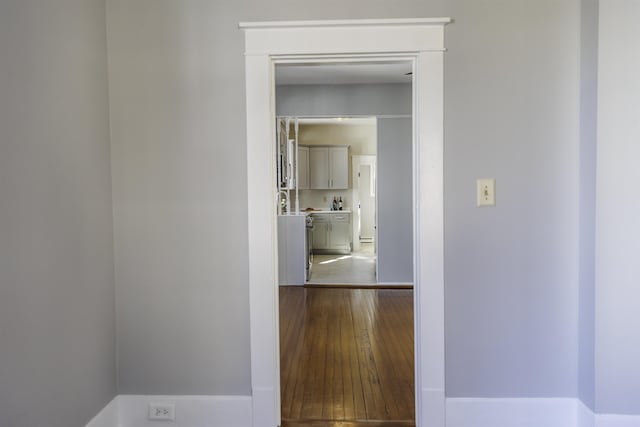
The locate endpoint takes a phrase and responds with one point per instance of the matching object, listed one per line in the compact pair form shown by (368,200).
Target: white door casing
(420,41)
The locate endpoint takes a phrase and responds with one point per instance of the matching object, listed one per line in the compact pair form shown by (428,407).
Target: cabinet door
(340,232)
(339,168)
(303,168)
(318,168)
(320,236)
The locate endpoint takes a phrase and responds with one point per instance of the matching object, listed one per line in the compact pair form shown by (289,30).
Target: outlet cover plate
(162,411)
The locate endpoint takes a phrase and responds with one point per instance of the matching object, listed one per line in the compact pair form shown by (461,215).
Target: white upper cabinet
(318,168)
(329,168)
(303,167)
(339,167)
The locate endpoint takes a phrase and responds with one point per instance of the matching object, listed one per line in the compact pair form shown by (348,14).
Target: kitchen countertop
(330,212)
(344,211)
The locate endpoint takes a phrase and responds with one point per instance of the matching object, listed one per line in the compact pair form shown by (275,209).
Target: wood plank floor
(346,357)
(315,423)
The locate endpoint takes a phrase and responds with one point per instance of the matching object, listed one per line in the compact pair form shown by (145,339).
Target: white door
(367,198)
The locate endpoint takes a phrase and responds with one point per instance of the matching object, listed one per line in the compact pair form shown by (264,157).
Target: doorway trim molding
(422,42)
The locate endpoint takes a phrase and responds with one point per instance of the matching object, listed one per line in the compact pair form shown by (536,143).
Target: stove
(308,244)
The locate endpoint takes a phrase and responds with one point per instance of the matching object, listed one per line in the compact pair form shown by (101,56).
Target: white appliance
(292,250)
(308,250)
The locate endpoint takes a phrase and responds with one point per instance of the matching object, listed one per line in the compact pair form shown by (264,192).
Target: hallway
(346,355)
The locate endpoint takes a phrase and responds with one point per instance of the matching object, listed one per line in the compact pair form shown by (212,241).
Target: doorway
(346,349)
(421,41)
(366,208)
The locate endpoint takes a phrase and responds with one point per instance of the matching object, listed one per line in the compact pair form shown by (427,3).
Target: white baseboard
(530,412)
(236,411)
(587,418)
(614,420)
(190,411)
(433,407)
(264,407)
(108,416)
(511,412)
(395,284)
(584,415)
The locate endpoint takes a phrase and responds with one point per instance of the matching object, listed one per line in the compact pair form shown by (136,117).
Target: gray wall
(588,119)
(618,210)
(511,112)
(57,326)
(336,100)
(395,194)
(179,197)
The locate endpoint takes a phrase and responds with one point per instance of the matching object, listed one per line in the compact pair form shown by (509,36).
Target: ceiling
(354,73)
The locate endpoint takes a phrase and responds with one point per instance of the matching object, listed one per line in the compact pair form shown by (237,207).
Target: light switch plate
(486,192)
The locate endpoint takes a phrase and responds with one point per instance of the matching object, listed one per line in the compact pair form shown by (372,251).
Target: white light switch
(486,192)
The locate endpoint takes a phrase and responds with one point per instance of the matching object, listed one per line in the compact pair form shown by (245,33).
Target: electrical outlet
(486,189)
(162,411)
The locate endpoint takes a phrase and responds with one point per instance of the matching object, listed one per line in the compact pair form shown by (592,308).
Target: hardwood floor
(346,357)
(313,423)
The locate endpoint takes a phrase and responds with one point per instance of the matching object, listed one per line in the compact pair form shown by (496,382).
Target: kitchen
(319,180)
